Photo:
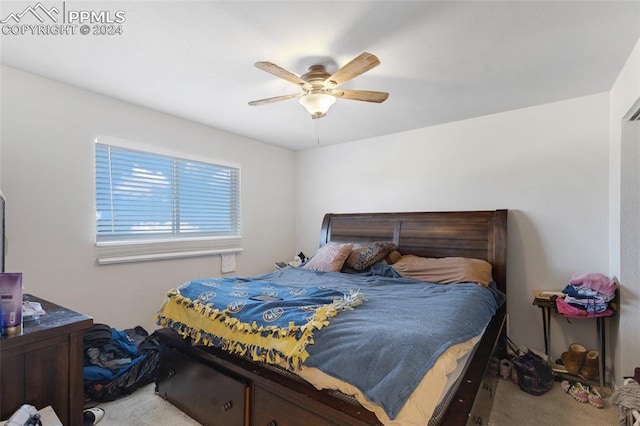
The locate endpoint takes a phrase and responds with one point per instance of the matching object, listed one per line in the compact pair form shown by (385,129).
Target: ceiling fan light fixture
(317,104)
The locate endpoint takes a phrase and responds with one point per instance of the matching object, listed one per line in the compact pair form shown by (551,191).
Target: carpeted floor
(143,408)
(515,407)
(511,407)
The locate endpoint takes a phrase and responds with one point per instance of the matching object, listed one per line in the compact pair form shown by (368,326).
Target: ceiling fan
(319,88)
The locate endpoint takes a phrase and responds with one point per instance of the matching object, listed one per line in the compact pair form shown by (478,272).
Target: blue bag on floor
(535,375)
(118,362)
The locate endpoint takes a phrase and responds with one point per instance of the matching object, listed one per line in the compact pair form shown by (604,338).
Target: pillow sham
(362,256)
(329,258)
(445,270)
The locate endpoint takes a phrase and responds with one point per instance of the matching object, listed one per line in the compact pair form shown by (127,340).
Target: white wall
(47,137)
(624,211)
(547,164)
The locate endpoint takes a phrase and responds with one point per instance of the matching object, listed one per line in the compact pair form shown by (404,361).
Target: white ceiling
(440,61)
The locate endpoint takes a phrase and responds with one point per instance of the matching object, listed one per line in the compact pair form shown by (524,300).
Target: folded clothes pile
(587,295)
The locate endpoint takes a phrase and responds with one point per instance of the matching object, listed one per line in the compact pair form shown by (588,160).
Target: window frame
(116,250)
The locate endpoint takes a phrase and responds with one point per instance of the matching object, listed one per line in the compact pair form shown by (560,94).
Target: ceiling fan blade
(275,99)
(362,63)
(361,95)
(282,73)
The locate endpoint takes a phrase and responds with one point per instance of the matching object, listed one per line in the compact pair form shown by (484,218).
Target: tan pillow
(445,270)
(329,258)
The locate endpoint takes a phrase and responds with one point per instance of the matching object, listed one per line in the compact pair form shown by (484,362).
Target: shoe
(505,368)
(591,367)
(594,397)
(576,390)
(573,359)
(92,416)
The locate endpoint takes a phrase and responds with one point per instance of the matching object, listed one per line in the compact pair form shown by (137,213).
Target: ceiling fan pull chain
(318,132)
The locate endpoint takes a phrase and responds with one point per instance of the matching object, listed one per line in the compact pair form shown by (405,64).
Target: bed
(215,386)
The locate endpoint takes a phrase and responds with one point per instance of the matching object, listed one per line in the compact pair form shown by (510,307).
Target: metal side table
(547,306)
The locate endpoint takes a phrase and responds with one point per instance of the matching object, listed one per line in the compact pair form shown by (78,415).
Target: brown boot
(573,359)
(590,368)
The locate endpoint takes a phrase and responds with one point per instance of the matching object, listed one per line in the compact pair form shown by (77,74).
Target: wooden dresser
(43,365)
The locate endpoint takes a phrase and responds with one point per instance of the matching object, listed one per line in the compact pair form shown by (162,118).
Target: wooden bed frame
(218,388)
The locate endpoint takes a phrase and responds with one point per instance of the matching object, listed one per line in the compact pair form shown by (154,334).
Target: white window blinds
(144,198)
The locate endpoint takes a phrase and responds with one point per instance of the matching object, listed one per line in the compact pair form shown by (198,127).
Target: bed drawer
(272,410)
(183,381)
(481,411)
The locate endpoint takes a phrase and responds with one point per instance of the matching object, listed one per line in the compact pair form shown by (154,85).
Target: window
(153,204)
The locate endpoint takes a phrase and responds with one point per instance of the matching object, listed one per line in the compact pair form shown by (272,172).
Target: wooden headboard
(475,234)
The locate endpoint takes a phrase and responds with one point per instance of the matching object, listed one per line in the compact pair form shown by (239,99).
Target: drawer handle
(272,423)
(227,406)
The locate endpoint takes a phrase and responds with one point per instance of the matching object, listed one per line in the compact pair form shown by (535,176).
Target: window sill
(141,251)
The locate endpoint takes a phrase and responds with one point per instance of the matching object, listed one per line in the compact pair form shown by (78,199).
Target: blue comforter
(387,345)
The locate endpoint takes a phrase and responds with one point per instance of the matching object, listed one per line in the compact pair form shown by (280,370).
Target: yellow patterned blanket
(270,322)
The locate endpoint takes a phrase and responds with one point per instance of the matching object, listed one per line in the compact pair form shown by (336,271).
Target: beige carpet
(511,407)
(142,408)
(514,407)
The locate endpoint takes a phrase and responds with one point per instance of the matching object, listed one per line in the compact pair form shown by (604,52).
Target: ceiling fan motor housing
(316,76)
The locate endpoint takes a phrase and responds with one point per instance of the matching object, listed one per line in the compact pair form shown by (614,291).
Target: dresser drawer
(272,410)
(207,393)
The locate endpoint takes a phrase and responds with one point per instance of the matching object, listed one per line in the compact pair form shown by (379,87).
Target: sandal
(595,398)
(579,392)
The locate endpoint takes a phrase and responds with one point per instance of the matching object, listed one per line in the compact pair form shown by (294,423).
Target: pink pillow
(329,258)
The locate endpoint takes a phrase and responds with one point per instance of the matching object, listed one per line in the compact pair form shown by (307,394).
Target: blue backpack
(535,375)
